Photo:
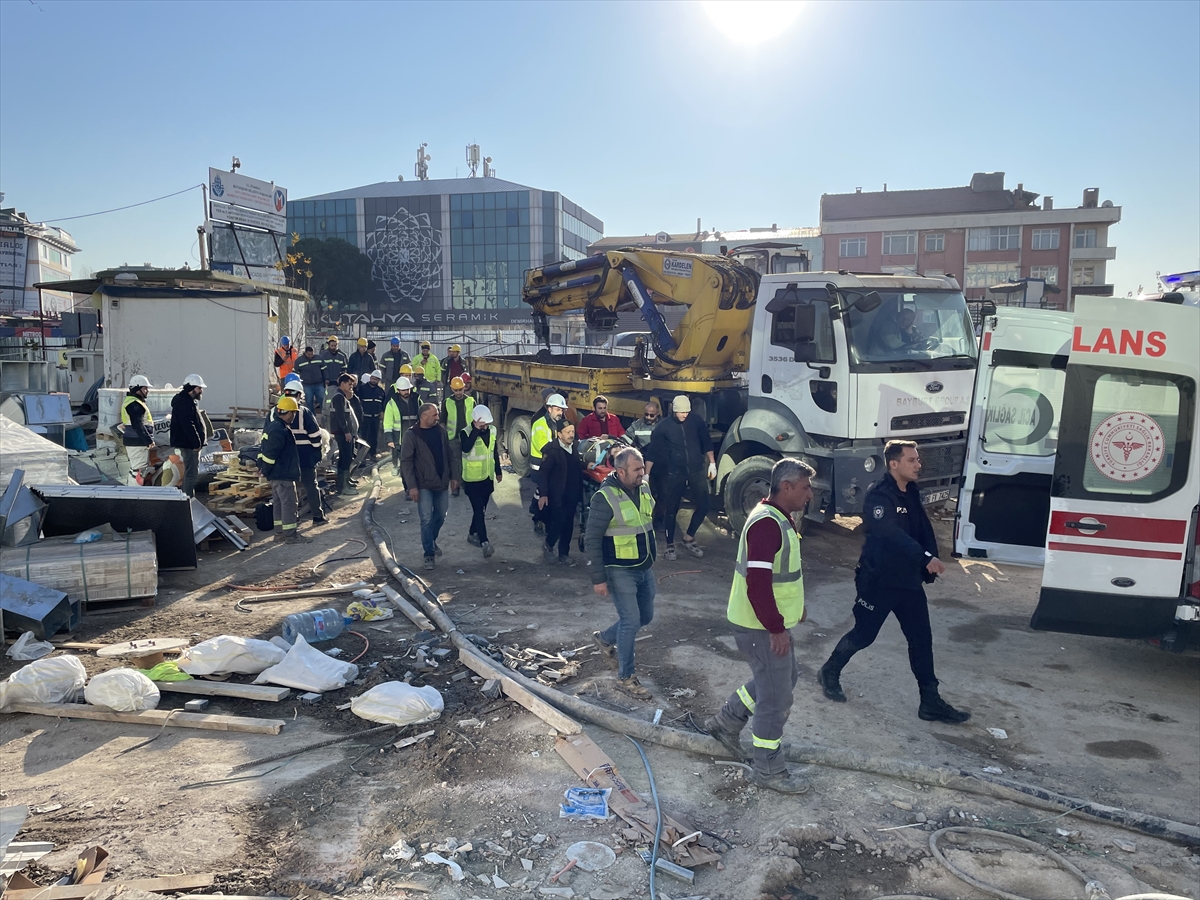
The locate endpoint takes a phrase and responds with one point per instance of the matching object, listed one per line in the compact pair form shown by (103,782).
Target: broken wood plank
(563,723)
(152,717)
(161,884)
(267,692)
(312,592)
(413,614)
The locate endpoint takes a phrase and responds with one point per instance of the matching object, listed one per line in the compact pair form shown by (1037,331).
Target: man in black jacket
(312,375)
(560,489)
(280,464)
(430,471)
(333,364)
(345,414)
(361,361)
(391,361)
(681,455)
(898,558)
(372,396)
(187,429)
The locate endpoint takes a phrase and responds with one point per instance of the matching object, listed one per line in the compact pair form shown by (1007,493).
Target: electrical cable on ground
(657,817)
(366,641)
(840,758)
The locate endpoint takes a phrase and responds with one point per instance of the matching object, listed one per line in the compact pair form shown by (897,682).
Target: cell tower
(488,171)
(473,159)
(421,169)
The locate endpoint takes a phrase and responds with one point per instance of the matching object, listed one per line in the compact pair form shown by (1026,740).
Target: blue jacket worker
(899,558)
(280,465)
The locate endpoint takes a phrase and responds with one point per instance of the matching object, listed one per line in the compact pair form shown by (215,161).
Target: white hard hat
(195,381)
(376,374)
(482,414)
(556,400)
(138,381)
(403,384)
(294,387)
(364,378)
(681,404)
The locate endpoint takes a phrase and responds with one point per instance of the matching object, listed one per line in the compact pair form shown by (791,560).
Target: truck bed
(577,376)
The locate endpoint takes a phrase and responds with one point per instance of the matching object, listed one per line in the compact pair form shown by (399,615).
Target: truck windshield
(907,325)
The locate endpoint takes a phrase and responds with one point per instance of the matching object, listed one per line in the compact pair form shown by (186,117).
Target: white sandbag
(122,690)
(28,647)
(397,703)
(307,669)
(230,655)
(52,680)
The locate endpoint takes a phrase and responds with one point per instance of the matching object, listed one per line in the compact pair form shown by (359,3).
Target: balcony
(1093,253)
(1092,290)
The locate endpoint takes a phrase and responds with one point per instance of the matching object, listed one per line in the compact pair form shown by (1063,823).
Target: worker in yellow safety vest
(481,472)
(541,432)
(137,429)
(765,602)
(456,414)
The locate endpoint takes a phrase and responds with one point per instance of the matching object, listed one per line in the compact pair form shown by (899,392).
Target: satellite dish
(662,238)
(1107,204)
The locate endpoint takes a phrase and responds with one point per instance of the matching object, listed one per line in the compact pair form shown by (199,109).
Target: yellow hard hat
(455,348)
(362,342)
(420,369)
(425,345)
(406,369)
(332,339)
(287,404)
(457,384)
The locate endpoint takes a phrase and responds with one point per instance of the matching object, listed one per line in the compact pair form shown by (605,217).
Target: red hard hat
(466,377)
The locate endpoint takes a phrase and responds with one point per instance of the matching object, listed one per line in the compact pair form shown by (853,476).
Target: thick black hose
(837,758)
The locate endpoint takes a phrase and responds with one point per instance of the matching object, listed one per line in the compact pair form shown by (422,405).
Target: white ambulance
(1083,456)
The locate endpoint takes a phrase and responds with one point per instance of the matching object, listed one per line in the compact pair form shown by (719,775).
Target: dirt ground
(1116,722)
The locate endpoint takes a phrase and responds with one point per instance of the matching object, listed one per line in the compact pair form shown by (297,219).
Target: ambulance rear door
(1004,501)
(1127,474)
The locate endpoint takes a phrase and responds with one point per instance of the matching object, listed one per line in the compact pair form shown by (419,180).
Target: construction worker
(137,429)
(391,361)
(466,377)
(312,375)
(481,473)
(361,362)
(456,413)
(452,365)
(280,464)
(899,557)
(765,602)
(345,414)
(188,433)
(307,433)
(372,396)
(431,364)
(399,414)
(333,363)
(425,389)
(621,548)
(541,432)
(285,358)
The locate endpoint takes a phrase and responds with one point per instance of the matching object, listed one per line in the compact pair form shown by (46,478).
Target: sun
(752,21)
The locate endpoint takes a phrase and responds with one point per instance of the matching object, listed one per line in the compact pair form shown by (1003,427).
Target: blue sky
(649,115)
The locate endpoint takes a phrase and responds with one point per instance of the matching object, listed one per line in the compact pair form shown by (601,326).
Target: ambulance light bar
(1180,279)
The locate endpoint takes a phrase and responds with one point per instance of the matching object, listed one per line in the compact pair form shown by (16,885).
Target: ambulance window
(1124,432)
(1022,411)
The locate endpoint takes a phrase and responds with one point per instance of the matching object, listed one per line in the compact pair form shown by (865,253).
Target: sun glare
(752,21)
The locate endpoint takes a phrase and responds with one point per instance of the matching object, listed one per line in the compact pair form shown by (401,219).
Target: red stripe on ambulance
(1119,528)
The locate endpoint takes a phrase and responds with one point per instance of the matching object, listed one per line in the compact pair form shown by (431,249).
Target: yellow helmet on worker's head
(457,384)
(333,339)
(406,369)
(418,370)
(287,404)
(455,348)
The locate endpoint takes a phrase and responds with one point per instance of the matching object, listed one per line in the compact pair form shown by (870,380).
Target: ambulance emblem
(1127,446)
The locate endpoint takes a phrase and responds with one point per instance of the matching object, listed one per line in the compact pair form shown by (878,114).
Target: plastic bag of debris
(52,680)
(122,690)
(585,803)
(397,703)
(28,647)
(307,669)
(228,654)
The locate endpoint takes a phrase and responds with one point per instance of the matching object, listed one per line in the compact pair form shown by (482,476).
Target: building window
(1045,239)
(899,243)
(1085,239)
(852,247)
(935,243)
(999,237)
(1049,273)
(1083,275)
(984,275)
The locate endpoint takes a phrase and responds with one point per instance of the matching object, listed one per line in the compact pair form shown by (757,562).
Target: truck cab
(1084,458)
(840,364)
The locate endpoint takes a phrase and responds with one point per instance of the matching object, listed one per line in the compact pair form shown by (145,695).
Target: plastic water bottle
(320,625)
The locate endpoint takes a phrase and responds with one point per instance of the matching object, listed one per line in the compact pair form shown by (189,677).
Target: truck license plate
(935,497)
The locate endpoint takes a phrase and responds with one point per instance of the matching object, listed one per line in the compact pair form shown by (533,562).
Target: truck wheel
(747,484)
(516,441)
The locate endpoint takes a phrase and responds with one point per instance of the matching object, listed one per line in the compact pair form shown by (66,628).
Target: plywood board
(267,692)
(152,717)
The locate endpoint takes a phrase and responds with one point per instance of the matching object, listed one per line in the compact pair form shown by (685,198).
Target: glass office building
(449,252)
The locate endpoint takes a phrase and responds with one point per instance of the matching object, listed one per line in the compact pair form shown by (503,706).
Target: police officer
(456,414)
(137,428)
(541,432)
(899,557)
(766,601)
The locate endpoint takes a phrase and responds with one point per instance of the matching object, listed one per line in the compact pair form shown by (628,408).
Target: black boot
(340,482)
(934,709)
(830,675)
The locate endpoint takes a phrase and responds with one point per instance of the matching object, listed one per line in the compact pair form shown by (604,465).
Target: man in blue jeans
(430,471)
(620,542)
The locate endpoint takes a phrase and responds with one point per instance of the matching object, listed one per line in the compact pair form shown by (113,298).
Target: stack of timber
(239,489)
(117,567)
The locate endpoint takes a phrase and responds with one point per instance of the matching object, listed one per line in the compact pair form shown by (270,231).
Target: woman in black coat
(560,490)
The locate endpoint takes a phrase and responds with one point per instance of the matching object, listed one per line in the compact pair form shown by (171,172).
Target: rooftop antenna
(473,159)
(488,171)
(235,165)
(422,167)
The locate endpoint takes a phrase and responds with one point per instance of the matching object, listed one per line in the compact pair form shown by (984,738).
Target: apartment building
(982,233)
